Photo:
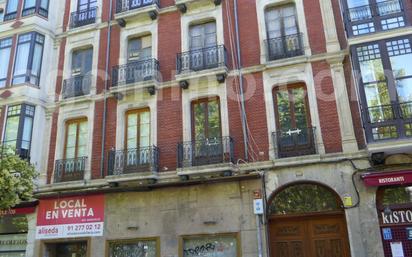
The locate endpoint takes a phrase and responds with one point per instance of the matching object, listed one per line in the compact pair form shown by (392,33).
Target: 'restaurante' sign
(387,178)
(80,216)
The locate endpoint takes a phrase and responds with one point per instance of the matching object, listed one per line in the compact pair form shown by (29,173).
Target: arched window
(304,198)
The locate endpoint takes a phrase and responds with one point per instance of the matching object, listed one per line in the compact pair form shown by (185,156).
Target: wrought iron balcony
(76,86)
(134,72)
(83,17)
(285,47)
(294,142)
(205,152)
(69,169)
(390,121)
(375,17)
(138,160)
(127,5)
(202,59)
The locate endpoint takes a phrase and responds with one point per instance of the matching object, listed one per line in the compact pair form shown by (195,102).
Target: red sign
(387,178)
(70,217)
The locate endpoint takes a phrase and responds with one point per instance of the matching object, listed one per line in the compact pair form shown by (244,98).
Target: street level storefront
(394,207)
(209,220)
(13,231)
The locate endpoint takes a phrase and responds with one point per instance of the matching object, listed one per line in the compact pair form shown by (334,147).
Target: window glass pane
(37,56)
(299,101)
(377,94)
(22,57)
(132,130)
(303,198)
(214,119)
(357,3)
(397,195)
(203,35)
(138,248)
(71,141)
(13,224)
(4,64)
(82,139)
(12,6)
(210,246)
(29,4)
(44,4)
(12,128)
(27,130)
(199,120)
(404,90)
(284,113)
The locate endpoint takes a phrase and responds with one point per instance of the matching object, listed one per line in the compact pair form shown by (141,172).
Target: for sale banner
(79,216)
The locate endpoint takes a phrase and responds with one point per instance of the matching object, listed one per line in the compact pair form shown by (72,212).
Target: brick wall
(340,25)
(328,114)
(314,25)
(59,80)
(169,126)
(169,44)
(66,15)
(52,145)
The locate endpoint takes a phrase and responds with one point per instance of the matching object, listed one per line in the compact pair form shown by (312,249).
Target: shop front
(394,207)
(13,231)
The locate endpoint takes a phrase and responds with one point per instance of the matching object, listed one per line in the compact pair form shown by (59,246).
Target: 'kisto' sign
(80,216)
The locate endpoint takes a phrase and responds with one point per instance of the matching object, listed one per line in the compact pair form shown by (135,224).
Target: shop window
(146,248)
(5,50)
(18,131)
(13,236)
(220,245)
(13,224)
(70,249)
(397,196)
(304,198)
(28,59)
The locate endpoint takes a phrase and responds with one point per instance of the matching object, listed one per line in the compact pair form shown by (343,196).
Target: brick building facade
(171,117)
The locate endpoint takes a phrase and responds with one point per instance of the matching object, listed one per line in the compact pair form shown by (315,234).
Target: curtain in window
(26,138)
(29,4)
(12,6)
(38,49)
(22,58)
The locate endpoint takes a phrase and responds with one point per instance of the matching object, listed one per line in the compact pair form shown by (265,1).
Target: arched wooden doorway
(307,220)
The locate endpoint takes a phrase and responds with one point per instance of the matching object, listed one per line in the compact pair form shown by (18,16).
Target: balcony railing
(83,17)
(390,121)
(69,169)
(375,17)
(126,5)
(134,72)
(294,142)
(205,152)
(285,47)
(76,86)
(138,160)
(202,59)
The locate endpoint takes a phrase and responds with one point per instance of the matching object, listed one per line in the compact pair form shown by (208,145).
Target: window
(19,125)
(11,10)
(284,39)
(147,248)
(1,14)
(5,49)
(28,59)
(76,139)
(203,35)
(216,245)
(139,49)
(85,13)
(294,134)
(82,61)
(138,129)
(86,4)
(35,6)
(206,119)
(386,96)
(72,249)
(368,16)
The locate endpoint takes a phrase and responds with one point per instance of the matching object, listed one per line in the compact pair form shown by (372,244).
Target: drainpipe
(106,77)
(242,96)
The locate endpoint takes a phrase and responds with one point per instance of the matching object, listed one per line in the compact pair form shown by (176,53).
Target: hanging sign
(79,216)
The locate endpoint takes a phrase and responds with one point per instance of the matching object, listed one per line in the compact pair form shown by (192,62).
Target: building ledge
(132,14)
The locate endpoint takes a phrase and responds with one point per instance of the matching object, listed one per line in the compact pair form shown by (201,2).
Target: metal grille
(398,235)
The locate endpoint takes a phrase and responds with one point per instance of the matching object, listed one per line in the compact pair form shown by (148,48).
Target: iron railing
(294,142)
(136,71)
(202,59)
(379,9)
(285,47)
(76,86)
(70,169)
(388,121)
(137,160)
(205,152)
(127,5)
(83,17)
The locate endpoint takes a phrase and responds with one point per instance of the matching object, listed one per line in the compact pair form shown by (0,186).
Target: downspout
(106,77)
(242,96)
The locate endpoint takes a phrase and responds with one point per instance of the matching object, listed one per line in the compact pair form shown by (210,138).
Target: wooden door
(321,236)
